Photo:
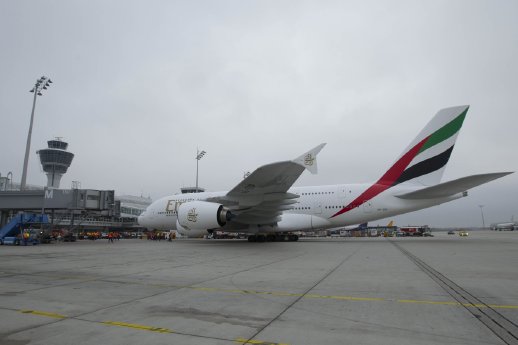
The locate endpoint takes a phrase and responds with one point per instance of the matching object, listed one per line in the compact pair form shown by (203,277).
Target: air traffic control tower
(55,161)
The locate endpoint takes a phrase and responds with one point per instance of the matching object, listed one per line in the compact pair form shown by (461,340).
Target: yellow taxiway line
(43,313)
(350,298)
(137,326)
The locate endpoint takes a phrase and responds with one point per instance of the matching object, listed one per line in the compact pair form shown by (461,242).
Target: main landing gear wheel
(293,238)
(273,238)
(256,238)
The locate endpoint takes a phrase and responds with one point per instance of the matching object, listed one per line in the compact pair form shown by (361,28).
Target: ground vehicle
(15,241)
(69,238)
(415,230)
(463,233)
(451,232)
(11,240)
(45,238)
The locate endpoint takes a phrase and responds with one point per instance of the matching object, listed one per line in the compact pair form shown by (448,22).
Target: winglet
(309,159)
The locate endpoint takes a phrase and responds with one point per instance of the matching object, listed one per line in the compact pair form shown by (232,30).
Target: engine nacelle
(202,215)
(190,233)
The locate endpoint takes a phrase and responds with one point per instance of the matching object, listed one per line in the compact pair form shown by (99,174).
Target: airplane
(509,226)
(265,206)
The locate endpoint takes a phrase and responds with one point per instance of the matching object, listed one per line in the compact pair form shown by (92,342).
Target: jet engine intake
(204,215)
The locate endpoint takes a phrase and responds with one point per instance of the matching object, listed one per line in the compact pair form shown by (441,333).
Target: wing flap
(449,188)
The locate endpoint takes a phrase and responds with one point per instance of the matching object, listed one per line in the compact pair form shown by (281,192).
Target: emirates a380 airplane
(266,207)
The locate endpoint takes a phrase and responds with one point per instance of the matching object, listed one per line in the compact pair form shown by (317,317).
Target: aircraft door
(317,207)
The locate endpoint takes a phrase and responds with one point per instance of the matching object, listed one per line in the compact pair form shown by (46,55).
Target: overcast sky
(139,85)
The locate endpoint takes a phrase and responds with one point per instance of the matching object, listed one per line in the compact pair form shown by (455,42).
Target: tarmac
(444,289)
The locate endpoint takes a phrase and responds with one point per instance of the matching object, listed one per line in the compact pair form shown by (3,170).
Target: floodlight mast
(41,84)
(199,156)
(482,214)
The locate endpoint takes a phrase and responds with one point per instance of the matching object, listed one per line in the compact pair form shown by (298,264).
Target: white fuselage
(315,208)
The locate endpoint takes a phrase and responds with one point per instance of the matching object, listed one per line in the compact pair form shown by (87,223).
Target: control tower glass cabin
(55,161)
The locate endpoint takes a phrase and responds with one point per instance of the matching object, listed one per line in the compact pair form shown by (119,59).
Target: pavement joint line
(256,342)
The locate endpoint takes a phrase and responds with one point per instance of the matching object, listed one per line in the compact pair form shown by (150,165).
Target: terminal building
(132,206)
(73,210)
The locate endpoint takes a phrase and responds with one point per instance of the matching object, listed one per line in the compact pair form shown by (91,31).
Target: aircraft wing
(262,196)
(452,187)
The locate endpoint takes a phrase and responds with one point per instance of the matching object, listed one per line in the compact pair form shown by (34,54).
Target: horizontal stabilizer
(452,187)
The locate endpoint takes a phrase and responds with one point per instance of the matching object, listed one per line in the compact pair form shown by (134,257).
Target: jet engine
(190,233)
(202,215)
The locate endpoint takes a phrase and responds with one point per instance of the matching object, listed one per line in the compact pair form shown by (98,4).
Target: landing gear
(273,238)
(293,238)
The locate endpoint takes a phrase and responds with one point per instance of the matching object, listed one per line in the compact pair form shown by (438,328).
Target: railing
(92,221)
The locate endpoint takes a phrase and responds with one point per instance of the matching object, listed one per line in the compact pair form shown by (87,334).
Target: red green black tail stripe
(400,172)
(425,167)
(386,181)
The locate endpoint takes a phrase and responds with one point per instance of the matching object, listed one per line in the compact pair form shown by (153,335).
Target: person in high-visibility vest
(26,236)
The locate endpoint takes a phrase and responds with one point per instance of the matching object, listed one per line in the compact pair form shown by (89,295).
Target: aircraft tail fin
(424,160)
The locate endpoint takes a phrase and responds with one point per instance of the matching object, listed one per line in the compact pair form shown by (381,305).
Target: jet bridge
(76,201)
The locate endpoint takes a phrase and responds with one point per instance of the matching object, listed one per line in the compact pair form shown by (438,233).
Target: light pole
(199,155)
(10,180)
(41,84)
(482,213)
